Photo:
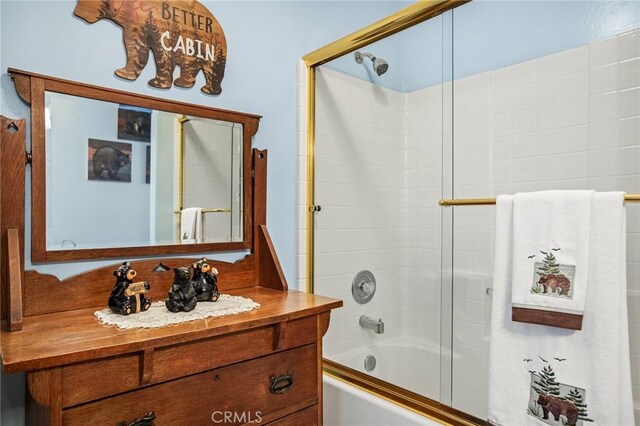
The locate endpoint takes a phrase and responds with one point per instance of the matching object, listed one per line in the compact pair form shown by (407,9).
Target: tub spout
(372,324)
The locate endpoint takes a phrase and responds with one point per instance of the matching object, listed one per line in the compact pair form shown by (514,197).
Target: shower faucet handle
(367,287)
(363,287)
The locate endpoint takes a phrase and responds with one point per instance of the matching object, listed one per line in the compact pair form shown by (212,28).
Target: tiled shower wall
(368,217)
(565,121)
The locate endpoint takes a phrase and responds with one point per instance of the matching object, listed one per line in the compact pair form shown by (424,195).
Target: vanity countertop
(60,338)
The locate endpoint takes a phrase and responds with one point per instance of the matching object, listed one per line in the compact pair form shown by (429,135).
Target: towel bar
(628,198)
(210,211)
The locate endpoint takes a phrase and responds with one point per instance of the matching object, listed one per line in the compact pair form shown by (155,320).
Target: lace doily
(159,316)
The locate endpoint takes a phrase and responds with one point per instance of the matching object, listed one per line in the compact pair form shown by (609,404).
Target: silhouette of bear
(558,407)
(179,33)
(182,295)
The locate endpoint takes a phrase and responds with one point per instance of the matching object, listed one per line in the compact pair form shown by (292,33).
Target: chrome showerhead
(380,66)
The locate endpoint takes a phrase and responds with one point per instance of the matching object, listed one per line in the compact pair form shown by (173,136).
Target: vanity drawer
(306,417)
(92,380)
(255,388)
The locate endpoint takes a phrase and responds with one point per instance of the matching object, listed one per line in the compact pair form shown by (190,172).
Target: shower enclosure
(452,100)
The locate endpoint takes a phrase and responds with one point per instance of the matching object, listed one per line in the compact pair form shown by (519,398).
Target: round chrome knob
(363,287)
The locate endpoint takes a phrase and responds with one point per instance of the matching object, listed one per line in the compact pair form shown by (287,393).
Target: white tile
(575,86)
(576,166)
(603,52)
(549,66)
(501,101)
(629,74)
(575,60)
(614,162)
(603,107)
(629,131)
(501,125)
(603,134)
(629,103)
(524,121)
(603,79)
(576,139)
(575,112)
(629,45)
(549,116)
(500,148)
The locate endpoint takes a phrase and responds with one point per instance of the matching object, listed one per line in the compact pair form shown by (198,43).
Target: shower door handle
(315,208)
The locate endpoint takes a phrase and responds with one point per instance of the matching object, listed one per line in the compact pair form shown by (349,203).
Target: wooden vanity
(262,366)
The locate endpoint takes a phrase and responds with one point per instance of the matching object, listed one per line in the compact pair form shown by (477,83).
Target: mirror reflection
(123,176)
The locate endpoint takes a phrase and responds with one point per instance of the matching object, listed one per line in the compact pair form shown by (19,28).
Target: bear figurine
(182,295)
(205,281)
(128,297)
(180,34)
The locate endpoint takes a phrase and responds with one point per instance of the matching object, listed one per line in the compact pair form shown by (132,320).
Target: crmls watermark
(236,417)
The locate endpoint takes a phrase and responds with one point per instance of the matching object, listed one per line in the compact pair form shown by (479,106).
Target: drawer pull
(147,420)
(282,383)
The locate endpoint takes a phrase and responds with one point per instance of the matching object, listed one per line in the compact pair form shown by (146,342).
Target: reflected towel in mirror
(191,225)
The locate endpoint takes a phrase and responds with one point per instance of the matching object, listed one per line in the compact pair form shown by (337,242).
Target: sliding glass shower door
(383,158)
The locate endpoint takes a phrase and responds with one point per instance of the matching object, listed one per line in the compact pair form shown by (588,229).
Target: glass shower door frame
(395,23)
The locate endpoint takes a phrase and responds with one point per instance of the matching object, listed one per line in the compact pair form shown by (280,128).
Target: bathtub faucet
(372,324)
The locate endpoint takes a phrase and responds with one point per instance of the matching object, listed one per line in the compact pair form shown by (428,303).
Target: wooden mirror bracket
(12,196)
(31,88)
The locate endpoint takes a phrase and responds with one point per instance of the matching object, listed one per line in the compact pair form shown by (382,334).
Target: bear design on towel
(558,407)
(557,283)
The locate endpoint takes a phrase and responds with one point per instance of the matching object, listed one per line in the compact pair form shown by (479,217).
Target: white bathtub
(413,364)
(346,405)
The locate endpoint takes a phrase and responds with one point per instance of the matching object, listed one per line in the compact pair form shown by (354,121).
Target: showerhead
(380,66)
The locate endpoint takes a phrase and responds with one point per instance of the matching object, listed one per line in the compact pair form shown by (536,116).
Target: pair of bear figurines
(129,297)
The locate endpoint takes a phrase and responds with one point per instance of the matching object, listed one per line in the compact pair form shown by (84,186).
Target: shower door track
(409,400)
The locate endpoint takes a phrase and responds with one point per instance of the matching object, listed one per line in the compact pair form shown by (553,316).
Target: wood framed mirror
(112,173)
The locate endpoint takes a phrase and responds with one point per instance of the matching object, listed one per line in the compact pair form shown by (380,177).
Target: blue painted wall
(487,35)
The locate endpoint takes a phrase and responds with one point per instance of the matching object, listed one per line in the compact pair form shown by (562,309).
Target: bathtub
(346,405)
(397,362)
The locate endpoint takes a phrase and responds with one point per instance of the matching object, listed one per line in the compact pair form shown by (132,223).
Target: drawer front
(306,417)
(247,390)
(92,380)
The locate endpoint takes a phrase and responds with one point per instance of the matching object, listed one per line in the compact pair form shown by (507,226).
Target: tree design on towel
(549,264)
(577,398)
(553,402)
(547,384)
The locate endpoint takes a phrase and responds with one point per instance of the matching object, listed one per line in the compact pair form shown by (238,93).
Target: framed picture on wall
(134,123)
(110,161)
(148,168)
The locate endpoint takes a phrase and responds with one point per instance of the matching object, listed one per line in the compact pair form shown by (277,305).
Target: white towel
(551,257)
(191,225)
(593,363)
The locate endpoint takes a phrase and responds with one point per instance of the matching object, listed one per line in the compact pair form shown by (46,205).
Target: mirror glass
(124,176)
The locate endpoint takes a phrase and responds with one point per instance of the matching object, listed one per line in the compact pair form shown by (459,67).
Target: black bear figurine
(182,295)
(205,281)
(128,297)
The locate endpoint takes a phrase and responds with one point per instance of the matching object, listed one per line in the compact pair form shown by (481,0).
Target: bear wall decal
(179,33)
